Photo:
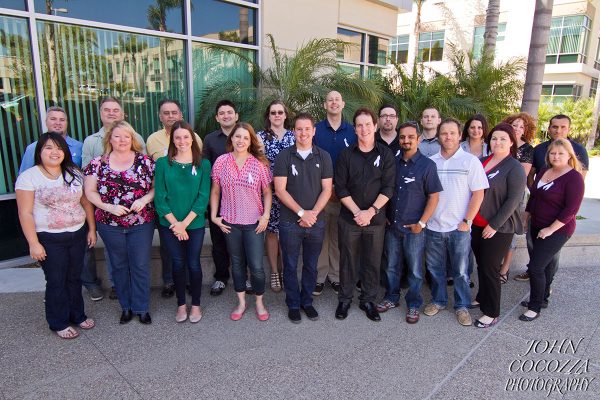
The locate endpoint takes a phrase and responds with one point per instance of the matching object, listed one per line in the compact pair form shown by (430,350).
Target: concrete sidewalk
(351,359)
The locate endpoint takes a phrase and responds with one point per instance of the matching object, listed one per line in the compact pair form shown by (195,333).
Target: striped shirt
(241,188)
(460,175)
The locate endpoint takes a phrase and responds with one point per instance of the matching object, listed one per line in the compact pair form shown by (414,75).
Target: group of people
(364,204)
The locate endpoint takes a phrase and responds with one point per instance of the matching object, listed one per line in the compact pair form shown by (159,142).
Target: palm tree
(491,27)
(536,60)
(419,4)
(301,80)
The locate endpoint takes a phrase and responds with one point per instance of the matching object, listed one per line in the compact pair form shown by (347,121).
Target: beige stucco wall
(294,22)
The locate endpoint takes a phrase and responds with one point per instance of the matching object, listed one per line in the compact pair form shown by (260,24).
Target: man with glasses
(157,145)
(386,134)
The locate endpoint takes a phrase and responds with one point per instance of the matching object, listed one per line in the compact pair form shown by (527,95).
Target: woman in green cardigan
(182,188)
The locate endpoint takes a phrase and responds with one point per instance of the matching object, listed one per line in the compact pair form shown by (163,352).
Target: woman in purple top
(556,195)
(119,184)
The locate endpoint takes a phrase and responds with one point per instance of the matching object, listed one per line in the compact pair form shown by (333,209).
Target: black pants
(489,254)
(360,258)
(220,254)
(541,268)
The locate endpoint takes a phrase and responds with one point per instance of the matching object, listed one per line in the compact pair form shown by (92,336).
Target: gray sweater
(500,206)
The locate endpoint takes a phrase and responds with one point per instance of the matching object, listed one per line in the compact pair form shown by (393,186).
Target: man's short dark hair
(167,101)
(225,102)
(560,116)
(387,106)
(449,121)
(364,111)
(305,116)
(111,99)
(409,124)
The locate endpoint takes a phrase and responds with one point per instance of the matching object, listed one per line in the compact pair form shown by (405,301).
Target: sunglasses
(277,112)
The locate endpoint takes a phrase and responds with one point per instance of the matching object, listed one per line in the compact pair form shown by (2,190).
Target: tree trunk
(491,27)
(536,60)
(419,4)
(592,135)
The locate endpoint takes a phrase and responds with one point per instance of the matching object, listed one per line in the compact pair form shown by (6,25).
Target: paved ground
(351,359)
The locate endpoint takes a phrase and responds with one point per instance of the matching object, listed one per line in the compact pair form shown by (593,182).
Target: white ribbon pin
(548,186)
(294,170)
(317,165)
(346,143)
(397,153)
(376,163)
(408,180)
(250,178)
(194,170)
(491,176)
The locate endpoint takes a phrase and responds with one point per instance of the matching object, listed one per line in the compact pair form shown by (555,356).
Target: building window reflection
(220,20)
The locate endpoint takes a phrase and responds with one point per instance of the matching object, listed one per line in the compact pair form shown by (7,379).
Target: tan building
(572,55)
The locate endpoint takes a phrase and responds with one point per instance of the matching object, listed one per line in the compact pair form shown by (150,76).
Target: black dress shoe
(525,318)
(126,316)
(145,319)
(341,312)
(168,291)
(371,311)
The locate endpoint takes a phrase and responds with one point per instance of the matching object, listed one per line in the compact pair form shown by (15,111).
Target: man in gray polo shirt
(303,178)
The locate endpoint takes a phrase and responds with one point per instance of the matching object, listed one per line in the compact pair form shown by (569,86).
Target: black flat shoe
(371,311)
(525,318)
(126,316)
(341,312)
(145,319)
(525,303)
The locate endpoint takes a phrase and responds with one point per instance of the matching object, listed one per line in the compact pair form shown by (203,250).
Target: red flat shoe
(237,316)
(263,317)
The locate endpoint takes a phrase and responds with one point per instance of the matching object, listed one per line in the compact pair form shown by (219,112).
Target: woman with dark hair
(474,136)
(53,212)
(276,136)
(119,184)
(556,195)
(524,127)
(182,188)
(498,219)
(241,180)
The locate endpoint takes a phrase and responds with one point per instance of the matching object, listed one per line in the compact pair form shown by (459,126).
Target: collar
(414,159)
(343,125)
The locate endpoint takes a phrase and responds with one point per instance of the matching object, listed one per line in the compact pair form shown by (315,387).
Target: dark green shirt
(179,190)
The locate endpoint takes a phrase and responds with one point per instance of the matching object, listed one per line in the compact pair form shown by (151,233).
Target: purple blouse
(556,200)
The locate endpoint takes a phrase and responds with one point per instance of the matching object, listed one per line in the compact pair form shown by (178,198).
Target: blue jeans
(292,237)
(456,245)
(129,253)
(62,269)
(246,247)
(404,248)
(165,260)
(185,253)
(89,275)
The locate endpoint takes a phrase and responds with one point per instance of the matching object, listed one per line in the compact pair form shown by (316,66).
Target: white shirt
(56,207)
(460,175)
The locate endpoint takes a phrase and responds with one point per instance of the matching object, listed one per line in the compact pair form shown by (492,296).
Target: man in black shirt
(364,182)
(214,146)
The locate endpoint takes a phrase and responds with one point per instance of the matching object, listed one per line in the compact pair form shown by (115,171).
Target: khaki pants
(329,259)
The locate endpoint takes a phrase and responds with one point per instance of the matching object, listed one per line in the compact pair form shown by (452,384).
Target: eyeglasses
(279,112)
(390,116)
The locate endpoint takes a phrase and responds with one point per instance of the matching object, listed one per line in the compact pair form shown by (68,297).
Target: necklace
(49,173)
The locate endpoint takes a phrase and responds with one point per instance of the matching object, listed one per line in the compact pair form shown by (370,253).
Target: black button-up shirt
(214,145)
(364,176)
(394,146)
(416,179)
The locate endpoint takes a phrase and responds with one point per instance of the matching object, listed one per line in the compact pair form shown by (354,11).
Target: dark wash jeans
(246,247)
(292,238)
(62,269)
(129,252)
(185,253)
(220,254)
(404,248)
(541,266)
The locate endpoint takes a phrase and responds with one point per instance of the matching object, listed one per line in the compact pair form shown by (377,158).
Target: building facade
(72,53)
(573,49)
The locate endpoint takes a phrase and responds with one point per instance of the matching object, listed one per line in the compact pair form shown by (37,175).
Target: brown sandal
(87,324)
(275,282)
(504,277)
(67,333)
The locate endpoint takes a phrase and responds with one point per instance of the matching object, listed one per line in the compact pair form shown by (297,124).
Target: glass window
(160,15)
(593,87)
(399,49)
(431,46)
(378,48)
(14,4)
(18,108)
(568,39)
(223,21)
(77,70)
(478,39)
(557,94)
(353,52)
(350,68)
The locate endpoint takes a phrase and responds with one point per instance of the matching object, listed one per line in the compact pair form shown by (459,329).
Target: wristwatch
(422,224)
(469,222)
(300,213)
(376,209)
